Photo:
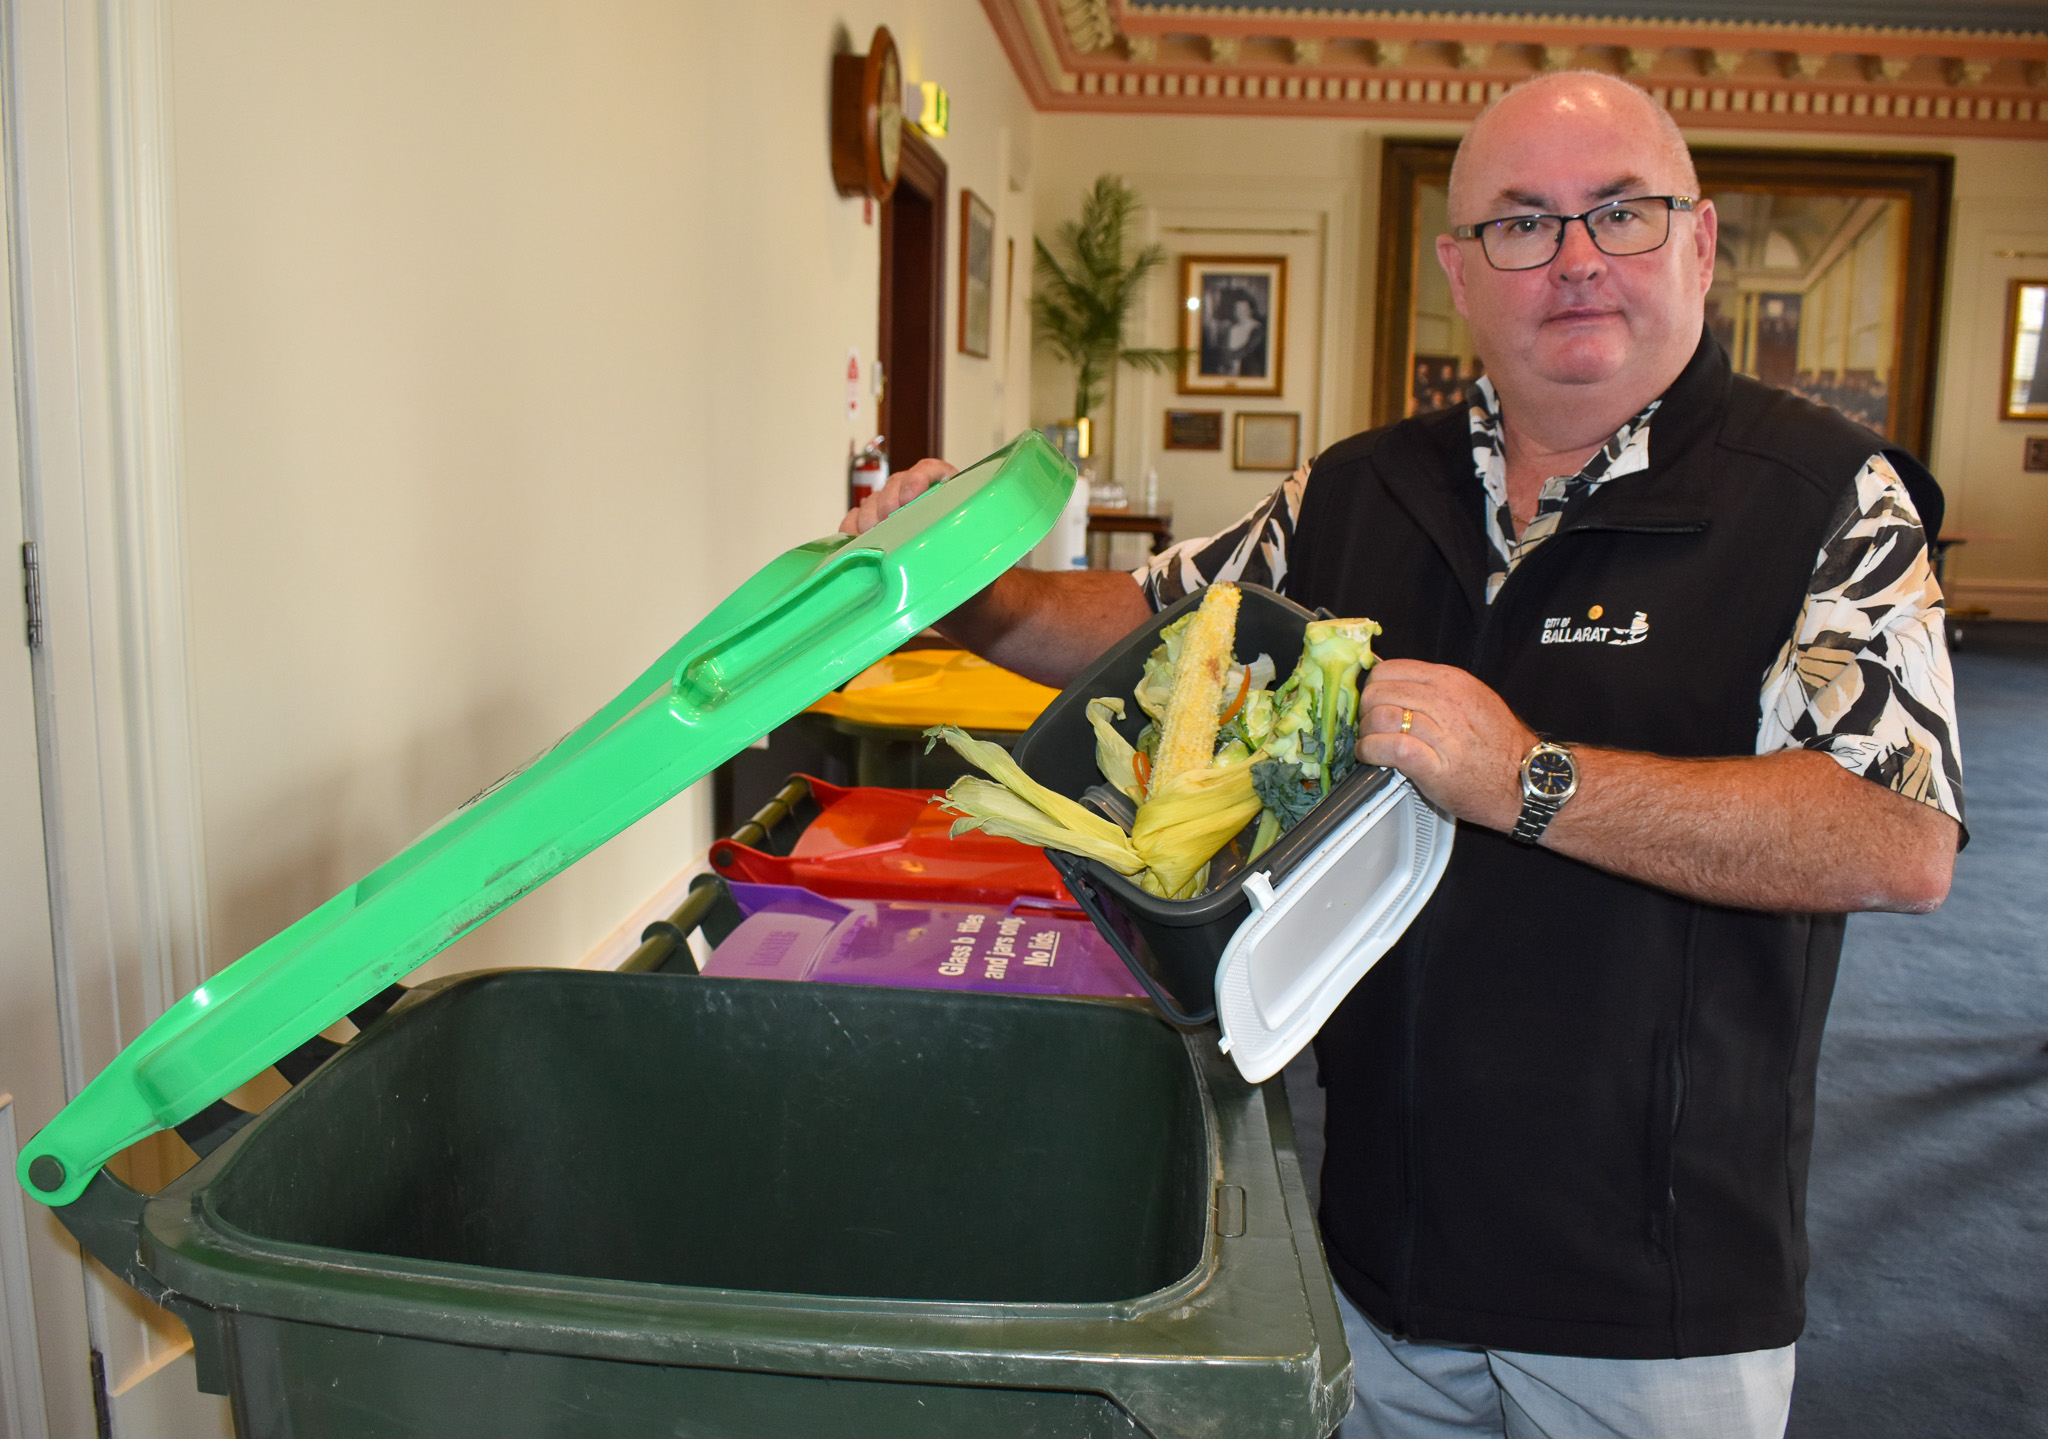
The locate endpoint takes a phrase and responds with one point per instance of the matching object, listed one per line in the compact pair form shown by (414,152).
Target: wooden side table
(1125,522)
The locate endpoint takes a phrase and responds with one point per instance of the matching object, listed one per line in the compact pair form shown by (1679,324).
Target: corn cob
(1187,736)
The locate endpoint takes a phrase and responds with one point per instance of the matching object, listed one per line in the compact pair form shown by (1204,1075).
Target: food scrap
(1221,748)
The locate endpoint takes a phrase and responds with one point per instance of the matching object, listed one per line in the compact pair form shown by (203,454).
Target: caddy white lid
(1307,942)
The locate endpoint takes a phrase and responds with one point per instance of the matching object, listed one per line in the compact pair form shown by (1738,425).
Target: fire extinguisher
(867,471)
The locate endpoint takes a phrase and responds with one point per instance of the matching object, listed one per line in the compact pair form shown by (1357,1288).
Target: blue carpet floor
(1928,1204)
(1928,1211)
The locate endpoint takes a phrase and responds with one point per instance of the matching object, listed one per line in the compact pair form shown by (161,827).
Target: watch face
(889,117)
(1550,773)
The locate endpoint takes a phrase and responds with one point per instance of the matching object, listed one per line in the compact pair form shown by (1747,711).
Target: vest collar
(1426,464)
(1669,497)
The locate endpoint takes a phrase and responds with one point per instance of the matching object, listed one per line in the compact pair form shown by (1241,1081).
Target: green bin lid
(807,622)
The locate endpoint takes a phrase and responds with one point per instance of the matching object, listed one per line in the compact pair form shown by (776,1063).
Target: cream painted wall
(514,335)
(2000,206)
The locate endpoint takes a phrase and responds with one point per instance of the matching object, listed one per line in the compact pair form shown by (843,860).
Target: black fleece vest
(1570,1113)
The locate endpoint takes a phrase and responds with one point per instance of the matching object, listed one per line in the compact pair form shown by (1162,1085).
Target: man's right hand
(901,488)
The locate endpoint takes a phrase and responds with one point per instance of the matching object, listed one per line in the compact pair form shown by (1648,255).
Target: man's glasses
(1620,227)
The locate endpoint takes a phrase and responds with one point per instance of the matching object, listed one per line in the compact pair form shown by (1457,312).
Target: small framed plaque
(1265,440)
(1194,429)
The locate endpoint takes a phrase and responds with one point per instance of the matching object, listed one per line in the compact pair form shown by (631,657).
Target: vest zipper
(1680,1077)
(1404,1322)
(1404,1301)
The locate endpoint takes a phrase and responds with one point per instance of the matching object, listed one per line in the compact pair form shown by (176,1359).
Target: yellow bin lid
(915,688)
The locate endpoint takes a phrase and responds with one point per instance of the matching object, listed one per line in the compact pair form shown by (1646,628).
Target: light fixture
(925,102)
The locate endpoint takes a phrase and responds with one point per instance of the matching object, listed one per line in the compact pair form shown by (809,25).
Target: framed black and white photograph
(977,273)
(1194,429)
(1265,440)
(1234,323)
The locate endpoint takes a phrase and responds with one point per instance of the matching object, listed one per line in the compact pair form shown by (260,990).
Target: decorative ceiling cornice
(1983,17)
(1112,56)
(1728,14)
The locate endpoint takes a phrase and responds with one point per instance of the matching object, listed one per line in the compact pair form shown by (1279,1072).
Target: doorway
(912,342)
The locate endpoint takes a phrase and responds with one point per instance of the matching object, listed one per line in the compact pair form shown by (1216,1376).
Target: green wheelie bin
(555,1202)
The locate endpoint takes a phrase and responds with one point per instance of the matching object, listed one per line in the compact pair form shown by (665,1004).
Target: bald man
(1667,643)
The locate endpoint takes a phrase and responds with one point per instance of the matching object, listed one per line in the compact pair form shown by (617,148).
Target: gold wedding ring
(1407,720)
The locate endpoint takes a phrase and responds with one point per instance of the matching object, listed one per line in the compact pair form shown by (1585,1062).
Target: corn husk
(1113,753)
(995,761)
(986,805)
(1186,821)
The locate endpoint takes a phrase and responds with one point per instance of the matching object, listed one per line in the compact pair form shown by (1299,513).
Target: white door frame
(87,175)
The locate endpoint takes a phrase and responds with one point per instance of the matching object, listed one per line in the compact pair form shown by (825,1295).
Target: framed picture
(1265,440)
(1234,326)
(1439,381)
(2035,456)
(1827,280)
(977,273)
(2023,395)
(1194,429)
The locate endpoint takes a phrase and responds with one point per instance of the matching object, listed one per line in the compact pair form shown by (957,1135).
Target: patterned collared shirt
(1627,450)
(1864,676)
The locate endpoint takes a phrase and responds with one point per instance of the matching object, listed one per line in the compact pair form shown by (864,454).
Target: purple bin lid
(1025,947)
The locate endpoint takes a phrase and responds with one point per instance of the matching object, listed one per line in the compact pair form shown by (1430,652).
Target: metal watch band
(1536,815)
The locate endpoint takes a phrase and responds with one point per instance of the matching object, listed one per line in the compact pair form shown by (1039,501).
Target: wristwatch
(1550,776)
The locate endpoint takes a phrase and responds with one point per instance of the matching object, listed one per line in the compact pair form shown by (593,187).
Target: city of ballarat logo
(1569,630)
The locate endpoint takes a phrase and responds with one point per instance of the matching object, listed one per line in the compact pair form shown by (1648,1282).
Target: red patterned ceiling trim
(1408,66)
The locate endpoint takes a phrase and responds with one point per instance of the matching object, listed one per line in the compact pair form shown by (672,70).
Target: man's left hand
(1463,748)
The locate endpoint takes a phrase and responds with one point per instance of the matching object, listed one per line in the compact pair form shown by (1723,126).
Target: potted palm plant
(1086,288)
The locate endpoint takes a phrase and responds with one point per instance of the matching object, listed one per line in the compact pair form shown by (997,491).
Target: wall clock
(867,119)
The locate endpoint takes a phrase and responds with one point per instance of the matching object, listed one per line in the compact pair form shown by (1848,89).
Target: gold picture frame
(1265,440)
(2023,380)
(1233,324)
(1803,212)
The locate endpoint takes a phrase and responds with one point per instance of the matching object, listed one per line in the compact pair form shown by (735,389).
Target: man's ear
(1452,259)
(1706,230)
